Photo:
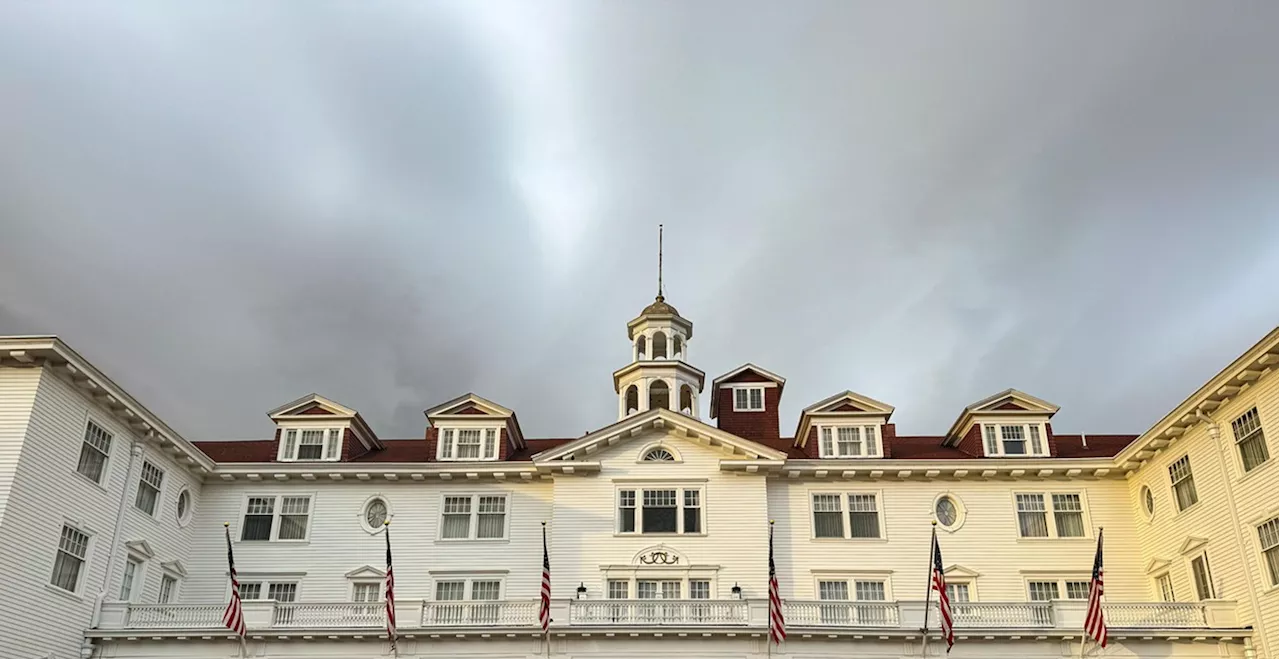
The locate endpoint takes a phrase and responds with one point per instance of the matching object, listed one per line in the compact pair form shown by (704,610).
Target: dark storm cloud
(229,205)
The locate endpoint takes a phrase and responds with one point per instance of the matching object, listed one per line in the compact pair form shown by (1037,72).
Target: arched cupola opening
(660,345)
(641,347)
(686,399)
(659,395)
(632,399)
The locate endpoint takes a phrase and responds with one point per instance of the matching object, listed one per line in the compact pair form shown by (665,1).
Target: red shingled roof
(1099,446)
(256,450)
(907,447)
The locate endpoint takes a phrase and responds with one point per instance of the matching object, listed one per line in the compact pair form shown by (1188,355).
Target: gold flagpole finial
(935,522)
(226,524)
(386,522)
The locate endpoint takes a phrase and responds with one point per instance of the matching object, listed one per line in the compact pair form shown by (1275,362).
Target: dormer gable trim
(956,570)
(471,407)
(772,379)
(631,427)
(844,406)
(306,406)
(365,572)
(1007,403)
(140,548)
(1157,565)
(174,567)
(314,409)
(1192,544)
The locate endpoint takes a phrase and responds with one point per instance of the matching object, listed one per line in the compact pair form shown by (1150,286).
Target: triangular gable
(1192,544)
(469,404)
(1013,400)
(848,401)
(1157,565)
(366,572)
(961,571)
(174,567)
(309,405)
(629,428)
(141,548)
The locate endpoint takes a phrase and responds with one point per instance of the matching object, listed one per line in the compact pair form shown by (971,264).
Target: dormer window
(748,399)
(310,444)
(468,444)
(849,441)
(1013,440)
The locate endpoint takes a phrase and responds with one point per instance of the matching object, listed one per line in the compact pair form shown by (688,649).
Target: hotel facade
(657,525)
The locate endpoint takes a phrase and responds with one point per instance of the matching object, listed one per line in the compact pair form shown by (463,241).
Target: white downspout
(135,451)
(1241,542)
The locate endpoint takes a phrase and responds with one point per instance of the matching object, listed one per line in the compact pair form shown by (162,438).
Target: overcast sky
(228,205)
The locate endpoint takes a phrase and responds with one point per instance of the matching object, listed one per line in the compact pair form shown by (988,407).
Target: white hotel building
(111,523)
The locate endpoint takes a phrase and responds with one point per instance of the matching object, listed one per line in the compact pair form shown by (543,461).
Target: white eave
(888,469)
(389,471)
(51,352)
(687,427)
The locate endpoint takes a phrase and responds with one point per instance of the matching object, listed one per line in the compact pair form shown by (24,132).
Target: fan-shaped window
(686,399)
(641,347)
(659,455)
(659,345)
(633,399)
(659,395)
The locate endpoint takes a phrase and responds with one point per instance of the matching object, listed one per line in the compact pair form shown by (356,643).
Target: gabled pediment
(469,404)
(639,427)
(312,405)
(366,572)
(175,567)
(956,570)
(141,548)
(1192,544)
(1157,565)
(1012,400)
(848,401)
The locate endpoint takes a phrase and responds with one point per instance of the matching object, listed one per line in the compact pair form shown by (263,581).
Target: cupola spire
(659,298)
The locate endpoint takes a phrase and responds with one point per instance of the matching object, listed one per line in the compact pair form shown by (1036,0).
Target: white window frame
(1269,571)
(1257,433)
(1158,584)
(174,592)
(748,391)
(157,485)
(639,488)
(473,527)
(364,510)
(379,590)
(1061,583)
(468,589)
(961,511)
(851,580)
(184,518)
(862,430)
(633,576)
(291,443)
(276,514)
(846,519)
(1027,437)
(86,445)
(265,582)
(490,442)
(1173,484)
(1051,522)
(1203,555)
(138,579)
(85,566)
(970,586)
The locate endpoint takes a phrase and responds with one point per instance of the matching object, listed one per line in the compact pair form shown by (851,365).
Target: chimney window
(748,399)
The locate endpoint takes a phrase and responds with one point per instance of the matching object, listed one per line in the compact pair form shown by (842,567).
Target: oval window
(184,507)
(375,514)
(1148,501)
(946,511)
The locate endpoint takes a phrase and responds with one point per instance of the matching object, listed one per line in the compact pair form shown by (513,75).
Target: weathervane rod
(659,260)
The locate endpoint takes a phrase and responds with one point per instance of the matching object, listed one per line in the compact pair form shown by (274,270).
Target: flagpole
(928,592)
(768,637)
(1084,634)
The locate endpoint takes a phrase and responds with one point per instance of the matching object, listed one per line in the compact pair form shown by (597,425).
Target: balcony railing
(840,614)
(1000,615)
(647,613)
(1164,615)
(306,615)
(480,614)
(173,616)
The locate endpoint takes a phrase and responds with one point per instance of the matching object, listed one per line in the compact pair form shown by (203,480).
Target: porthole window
(949,511)
(183,507)
(1148,501)
(659,455)
(376,511)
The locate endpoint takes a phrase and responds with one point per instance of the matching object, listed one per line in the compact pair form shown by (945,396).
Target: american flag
(233,617)
(1094,625)
(939,583)
(777,626)
(391,590)
(544,611)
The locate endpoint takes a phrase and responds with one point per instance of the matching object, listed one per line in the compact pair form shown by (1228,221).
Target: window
(1184,486)
(460,590)
(1250,440)
(474,517)
(131,566)
(946,512)
(838,590)
(1043,591)
(848,442)
(1013,440)
(148,488)
(1077,590)
(283,592)
(468,444)
(448,591)
(1201,576)
(375,514)
(168,589)
(182,507)
(660,510)
(250,590)
(366,591)
(958,592)
(73,549)
(310,444)
(95,452)
(830,513)
(1148,501)
(276,518)
(699,589)
(748,399)
(1164,586)
(1269,539)
(1046,590)
(659,455)
(619,589)
(1034,509)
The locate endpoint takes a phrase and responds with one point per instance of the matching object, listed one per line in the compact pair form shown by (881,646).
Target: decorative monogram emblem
(659,557)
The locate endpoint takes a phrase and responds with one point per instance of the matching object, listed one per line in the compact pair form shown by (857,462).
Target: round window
(375,513)
(184,507)
(659,455)
(1148,501)
(946,511)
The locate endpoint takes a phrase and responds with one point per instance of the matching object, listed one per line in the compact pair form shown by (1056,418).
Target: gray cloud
(228,205)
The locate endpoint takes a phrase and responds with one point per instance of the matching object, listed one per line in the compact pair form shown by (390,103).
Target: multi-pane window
(699,589)
(131,566)
(1034,508)
(1184,486)
(474,517)
(848,441)
(283,591)
(619,589)
(861,510)
(660,510)
(250,590)
(1043,591)
(1164,585)
(73,549)
(149,484)
(1013,440)
(958,592)
(748,399)
(453,592)
(94,452)
(468,444)
(366,591)
(1077,590)
(449,591)
(168,589)
(1201,576)
(310,444)
(1250,440)
(276,518)
(1268,539)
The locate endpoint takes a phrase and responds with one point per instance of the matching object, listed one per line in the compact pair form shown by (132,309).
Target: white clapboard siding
(17,394)
(1161,538)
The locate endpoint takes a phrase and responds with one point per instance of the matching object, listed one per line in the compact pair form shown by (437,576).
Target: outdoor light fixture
(737,590)
(582,590)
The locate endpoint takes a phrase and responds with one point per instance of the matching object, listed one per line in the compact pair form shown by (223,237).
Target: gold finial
(544,523)
(770,522)
(935,522)
(386,522)
(226,525)
(659,262)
